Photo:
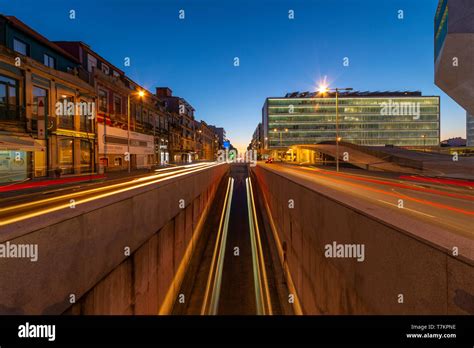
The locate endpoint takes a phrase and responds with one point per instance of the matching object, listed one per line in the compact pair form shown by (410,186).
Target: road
(235,273)
(451,208)
(23,207)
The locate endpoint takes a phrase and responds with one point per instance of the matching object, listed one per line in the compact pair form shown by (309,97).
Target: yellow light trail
(291,285)
(214,263)
(89,199)
(260,272)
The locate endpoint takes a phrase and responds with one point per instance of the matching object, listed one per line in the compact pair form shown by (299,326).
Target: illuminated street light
(141,94)
(322,90)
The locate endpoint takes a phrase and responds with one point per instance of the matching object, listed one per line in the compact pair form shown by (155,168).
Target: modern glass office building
(441,26)
(454,71)
(368,118)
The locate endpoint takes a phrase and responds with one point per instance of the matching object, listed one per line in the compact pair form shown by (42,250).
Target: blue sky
(195,56)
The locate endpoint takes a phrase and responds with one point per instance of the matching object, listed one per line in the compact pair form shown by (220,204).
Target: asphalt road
(22,207)
(451,208)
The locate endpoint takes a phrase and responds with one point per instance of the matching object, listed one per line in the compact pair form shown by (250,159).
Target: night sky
(195,56)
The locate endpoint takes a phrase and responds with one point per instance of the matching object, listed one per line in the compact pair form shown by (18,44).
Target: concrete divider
(118,255)
(408,266)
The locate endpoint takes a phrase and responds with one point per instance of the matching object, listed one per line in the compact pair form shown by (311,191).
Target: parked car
(269,160)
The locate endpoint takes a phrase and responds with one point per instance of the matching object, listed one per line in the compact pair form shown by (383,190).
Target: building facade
(376,119)
(454,54)
(183,126)
(117,96)
(208,140)
(46,107)
(221,135)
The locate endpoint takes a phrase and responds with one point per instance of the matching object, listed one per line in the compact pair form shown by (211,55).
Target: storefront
(21,158)
(113,147)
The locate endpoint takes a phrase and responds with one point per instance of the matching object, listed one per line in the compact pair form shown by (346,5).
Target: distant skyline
(195,56)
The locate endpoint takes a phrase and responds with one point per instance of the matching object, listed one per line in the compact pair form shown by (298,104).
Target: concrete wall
(84,254)
(399,259)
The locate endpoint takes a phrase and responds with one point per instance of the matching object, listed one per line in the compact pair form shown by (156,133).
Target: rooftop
(355,94)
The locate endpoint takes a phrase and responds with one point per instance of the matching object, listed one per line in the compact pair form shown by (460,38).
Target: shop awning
(9,143)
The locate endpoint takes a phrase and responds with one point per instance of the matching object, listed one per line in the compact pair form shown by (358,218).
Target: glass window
(103,101)
(3,94)
(40,106)
(85,118)
(117,105)
(13,166)
(66,155)
(49,61)
(65,112)
(105,69)
(9,108)
(20,47)
(87,155)
(91,63)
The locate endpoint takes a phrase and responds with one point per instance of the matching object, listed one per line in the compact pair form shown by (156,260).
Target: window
(103,100)
(105,69)
(117,105)
(49,61)
(9,108)
(116,74)
(66,155)
(40,106)
(86,117)
(91,63)
(20,47)
(87,154)
(65,112)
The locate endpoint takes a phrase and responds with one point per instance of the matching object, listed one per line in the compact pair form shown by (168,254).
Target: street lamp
(275,130)
(140,94)
(322,90)
(424,142)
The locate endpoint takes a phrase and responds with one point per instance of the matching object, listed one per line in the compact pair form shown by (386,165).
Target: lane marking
(415,211)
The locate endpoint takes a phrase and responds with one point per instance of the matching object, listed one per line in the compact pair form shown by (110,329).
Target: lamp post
(281,132)
(325,89)
(424,142)
(141,94)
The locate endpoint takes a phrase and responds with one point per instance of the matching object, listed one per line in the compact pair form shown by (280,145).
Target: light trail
(397,184)
(89,191)
(213,285)
(119,188)
(258,262)
(289,279)
(399,195)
